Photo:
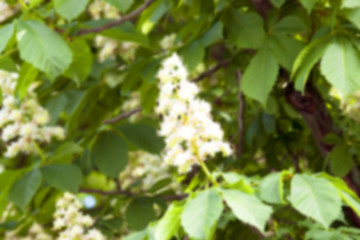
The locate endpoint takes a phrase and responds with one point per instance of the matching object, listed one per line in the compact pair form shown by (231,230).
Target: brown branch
(129,194)
(211,71)
(241,99)
(122,116)
(120,21)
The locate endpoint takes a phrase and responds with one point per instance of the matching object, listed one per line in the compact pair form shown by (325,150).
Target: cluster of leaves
(273,43)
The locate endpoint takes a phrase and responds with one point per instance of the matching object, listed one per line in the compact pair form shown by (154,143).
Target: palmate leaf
(316,198)
(277,3)
(261,74)
(201,213)
(122,5)
(350,3)
(43,48)
(247,208)
(308,4)
(353,15)
(6,33)
(272,188)
(340,66)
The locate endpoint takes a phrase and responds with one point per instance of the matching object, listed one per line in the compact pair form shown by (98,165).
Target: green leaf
(122,5)
(262,71)
(137,235)
(25,188)
(66,153)
(290,25)
(143,136)
(211,36)
(352,202)
(82,62)
(245,29)
(247,208)
(110,154)
(305,61)
(140,213)
(152,15)
(55,106)
(341,160)
(193,55)
(43,48)
(285,49)
(169,223)
(350,3)
(308,4)
(27,76)
(316,198)
(6,33)
(272,188)
(7,178)
(70,9)
(65,177)
(277,3)
(201,213)
(340,65)
(353,15)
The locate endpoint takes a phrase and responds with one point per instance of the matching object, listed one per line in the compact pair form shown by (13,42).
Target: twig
(211,71)
(241,99)
(122,116)
(129,194)
(120,21)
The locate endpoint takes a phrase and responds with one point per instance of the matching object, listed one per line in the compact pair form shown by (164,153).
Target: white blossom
(23,123)
(71,222)
(190,133)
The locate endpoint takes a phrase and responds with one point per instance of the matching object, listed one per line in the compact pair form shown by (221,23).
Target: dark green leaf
(140,213)
(65,177)
(27,76)
(110,154)
(122,5)
(25,188)
(341,160)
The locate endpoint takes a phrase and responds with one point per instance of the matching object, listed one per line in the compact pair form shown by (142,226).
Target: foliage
(276,79)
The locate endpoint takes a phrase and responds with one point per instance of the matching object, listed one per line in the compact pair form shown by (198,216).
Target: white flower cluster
(36,232)
(149,167)
(73,224)
(23,123)
(191,134)
(6,11)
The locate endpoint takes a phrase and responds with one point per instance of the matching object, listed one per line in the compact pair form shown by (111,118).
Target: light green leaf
(272,188)
(277,3)
(350,3)
(140,213)
(152,15)
(82,62)
(169,223)
(352,202)
(27,76)
(143,136)
(7,178)
(308,4)
(70,9)
(6,33)
(285,49)
(353,15)
(193,55)
(340,65)
(201,213)
(316,198)
(25,188)
(137,235)
(262,71)
(65,177)
(110,154)
(122,5)
(247,208)
(341,160)
(42,47)
(214,34)
(245,29)
(305,61)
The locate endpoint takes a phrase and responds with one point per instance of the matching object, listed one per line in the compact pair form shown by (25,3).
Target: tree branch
(122,116)
(120,21)
(211,71)
(241,99)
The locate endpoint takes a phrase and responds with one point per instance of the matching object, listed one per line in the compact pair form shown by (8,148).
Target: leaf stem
(38,149)
(208,174)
